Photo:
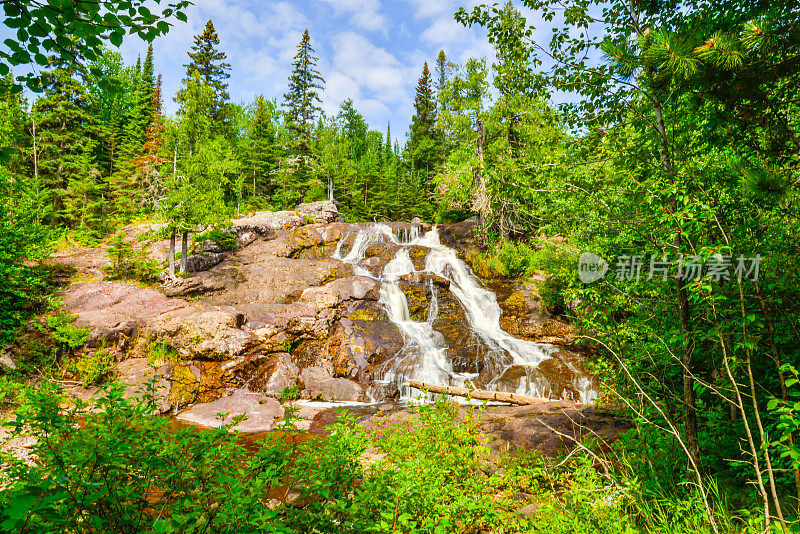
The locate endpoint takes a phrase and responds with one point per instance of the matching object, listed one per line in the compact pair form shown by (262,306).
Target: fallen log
(479,394)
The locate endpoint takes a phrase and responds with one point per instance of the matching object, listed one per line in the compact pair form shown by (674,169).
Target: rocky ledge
(274,314)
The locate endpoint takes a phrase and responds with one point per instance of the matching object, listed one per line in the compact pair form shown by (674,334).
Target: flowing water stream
(508,363)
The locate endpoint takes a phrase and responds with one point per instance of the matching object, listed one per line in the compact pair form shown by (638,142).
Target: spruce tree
(423,146)
(67,132)
(151,157)
(148,75)
(441,81)
(260,155)
(298,179)
(441,71)
(209,63)
(196,100)
(305,83)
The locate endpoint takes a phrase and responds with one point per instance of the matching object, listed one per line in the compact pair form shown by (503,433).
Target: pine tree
(209,63)
(151,158)
(305,82)
(441,71)
(196,100)
(66,136)
(260,157)
(423,145)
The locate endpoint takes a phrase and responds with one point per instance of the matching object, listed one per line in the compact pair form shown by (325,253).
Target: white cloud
(365,14)
(445,30)
(372,68)
(433,8)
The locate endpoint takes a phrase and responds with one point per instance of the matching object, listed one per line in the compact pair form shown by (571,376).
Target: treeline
(99,148)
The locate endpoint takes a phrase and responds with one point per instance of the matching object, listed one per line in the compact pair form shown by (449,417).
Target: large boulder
(136,373)
(205,332)
(116,312)
(334,293)
(269,223)
(320,385)
(202,262)
(357,347)
(322,212)
(261,412)
(270,376)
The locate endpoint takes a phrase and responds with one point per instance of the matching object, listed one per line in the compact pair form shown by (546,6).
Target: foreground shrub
(119,469)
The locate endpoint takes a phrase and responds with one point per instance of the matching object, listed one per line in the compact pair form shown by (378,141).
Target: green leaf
(116,38)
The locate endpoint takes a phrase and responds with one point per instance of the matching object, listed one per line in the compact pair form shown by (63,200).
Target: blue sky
(369,50)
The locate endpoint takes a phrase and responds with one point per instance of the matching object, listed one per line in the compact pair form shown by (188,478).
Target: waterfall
(510,363)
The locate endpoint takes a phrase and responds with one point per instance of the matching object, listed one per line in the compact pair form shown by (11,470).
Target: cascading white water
(510,362)
(480,305)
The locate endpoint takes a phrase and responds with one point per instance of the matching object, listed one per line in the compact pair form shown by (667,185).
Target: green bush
(93,367)
(516,257)
(110,466)
(64,332)
(224,238)
(160,352)
(129,263)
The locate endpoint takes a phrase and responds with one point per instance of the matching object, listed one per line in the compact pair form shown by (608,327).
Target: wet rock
(320,385)
(385,251)
(272,375)
(418,255)
(261,414)
(197,381)
(185,380)
(357,348)
(202,262)
(417,295)
(463,237)
(526,316)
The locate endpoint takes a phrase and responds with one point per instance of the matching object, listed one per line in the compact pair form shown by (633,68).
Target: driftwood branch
(479,394)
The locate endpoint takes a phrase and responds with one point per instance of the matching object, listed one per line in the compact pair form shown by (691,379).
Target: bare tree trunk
(757,413)
(478,394)
(172,255)
(481,194)
(35,153)
(184,250)
(684,310)
(778,363)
